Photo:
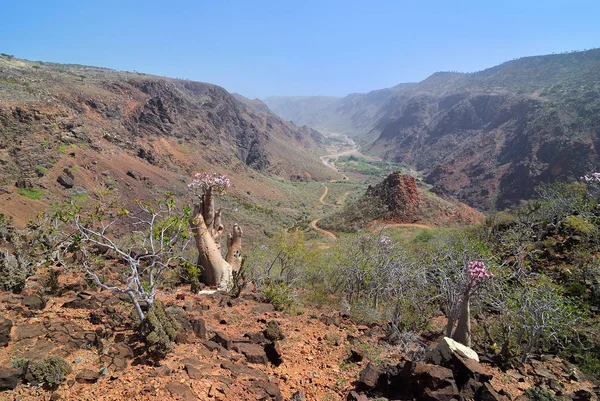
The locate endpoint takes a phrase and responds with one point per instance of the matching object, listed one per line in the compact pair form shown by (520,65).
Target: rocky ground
(242,349)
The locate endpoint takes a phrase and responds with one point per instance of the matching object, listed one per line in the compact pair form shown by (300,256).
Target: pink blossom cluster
(594,177)
(204,181)
(385,240)
(478,272)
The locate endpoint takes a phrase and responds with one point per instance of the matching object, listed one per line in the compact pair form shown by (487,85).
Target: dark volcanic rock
(34,302)
(9,378)
(87,376)
(5,327)
(254,353)
(369,376)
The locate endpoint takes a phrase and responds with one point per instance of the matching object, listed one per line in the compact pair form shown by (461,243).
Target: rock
(240,371)
(329,321)
(66,181)
(263,308)
(273,331)
(543,373)
(443,394)
(33,302)
(9,378)
(267,390)
(354,396)
(298,396)
(466,368)
(78,303)
(432,377)
(469,390)
(117,356)
(181,391)
(369,377)
(31,330)
(254,353)
(162,371)
(199,327)
(5,327)
(134,174)
(487,393)
(87,376)
(193,372)
(356,355)
(222,339)
(582,395)
(442,353)
(273,352)
(256,338)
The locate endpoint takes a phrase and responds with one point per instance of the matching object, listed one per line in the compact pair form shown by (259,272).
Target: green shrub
(62,148)
(539,394)
(279,295)
(20,363)
(12,273)
(50,371)
(31,193)
(159,330)
(41,170)
(424,235)
(590,364)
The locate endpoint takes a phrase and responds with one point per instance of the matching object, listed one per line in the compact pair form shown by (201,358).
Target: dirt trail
(374,225)
(321,199)
(329,234)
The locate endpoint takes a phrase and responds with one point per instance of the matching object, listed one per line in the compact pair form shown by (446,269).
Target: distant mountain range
(72,129)
(487,138)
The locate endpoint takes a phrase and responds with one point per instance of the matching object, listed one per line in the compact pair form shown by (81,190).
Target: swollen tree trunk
(462,334)
(206,225)
(234,248)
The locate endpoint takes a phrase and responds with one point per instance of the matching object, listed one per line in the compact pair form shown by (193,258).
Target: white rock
(444,350)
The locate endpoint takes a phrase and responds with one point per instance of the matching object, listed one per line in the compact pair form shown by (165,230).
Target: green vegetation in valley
(31,193)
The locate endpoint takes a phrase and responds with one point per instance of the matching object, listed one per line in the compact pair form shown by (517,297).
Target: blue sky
(303,47)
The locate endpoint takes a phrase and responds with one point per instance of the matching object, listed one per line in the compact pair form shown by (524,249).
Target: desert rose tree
(477,273)
(207,227)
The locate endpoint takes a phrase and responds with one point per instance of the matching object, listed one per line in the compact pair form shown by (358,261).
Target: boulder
(181,391)
(9,378)
(199,327)
(432,377)
(78,303)
(273,352)
(443,352)
(487,393)
(222,339)
(87,376)
(34,302)
(273,331)
(354,396)
(369,376)
(66,181)
(5,327)
(254,353)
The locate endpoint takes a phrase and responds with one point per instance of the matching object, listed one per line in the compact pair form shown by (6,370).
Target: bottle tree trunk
(206,225)
(462,334)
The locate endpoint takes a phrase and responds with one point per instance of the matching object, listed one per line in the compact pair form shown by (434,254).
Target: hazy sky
(302,47)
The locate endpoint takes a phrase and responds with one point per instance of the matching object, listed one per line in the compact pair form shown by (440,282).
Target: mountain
(92,126)
(355,115)
(488,138)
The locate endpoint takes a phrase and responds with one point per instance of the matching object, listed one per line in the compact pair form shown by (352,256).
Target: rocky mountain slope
(489,137)
(400,200)
(239,349)
(66,128)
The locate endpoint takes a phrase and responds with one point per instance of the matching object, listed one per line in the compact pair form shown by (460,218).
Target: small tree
(477,273)
(161,234)
(207,227)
